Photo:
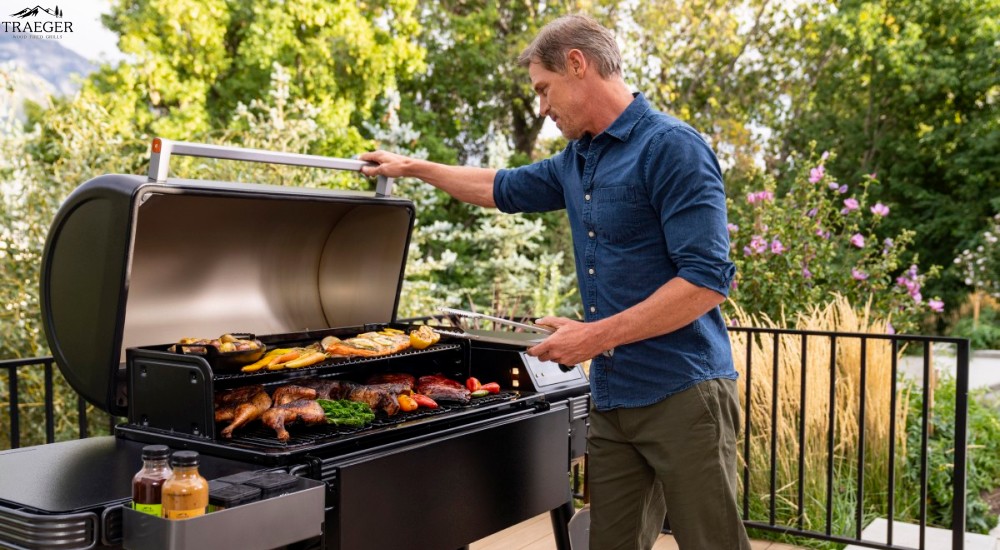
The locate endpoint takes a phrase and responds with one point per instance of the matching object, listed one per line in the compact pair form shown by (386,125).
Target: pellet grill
(133,263)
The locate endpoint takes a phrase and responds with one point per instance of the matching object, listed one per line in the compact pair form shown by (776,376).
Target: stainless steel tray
(265,524)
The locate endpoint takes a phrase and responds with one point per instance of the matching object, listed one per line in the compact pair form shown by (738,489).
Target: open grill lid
(134,261)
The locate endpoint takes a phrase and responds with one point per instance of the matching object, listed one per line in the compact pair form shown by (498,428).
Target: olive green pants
(678,455)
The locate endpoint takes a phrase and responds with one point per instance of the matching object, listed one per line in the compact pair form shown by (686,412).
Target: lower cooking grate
(322,433)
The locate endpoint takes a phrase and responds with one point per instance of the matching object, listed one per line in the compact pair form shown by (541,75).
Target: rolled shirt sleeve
(685,184)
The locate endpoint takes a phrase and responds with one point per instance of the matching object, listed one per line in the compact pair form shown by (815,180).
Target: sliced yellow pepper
(253,367)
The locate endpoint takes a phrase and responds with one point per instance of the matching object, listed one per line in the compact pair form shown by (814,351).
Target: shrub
(793,249)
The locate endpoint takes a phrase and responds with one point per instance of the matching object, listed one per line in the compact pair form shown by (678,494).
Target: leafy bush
(984,334)
(983,459)
(793,249)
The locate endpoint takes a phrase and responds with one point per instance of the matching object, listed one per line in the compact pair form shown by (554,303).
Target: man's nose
(543,107)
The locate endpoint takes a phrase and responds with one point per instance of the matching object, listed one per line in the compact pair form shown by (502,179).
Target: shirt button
(593,309)
(591,271)
(586,197)
(590,234)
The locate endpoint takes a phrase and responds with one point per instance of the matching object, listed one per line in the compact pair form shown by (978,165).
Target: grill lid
(130,261)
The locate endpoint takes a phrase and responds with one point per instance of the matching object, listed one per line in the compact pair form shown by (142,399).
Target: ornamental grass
(812,405)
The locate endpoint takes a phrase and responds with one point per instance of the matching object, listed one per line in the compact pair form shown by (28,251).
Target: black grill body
(132,264)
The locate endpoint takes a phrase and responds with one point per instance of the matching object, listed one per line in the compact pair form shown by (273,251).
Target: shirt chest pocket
(619,213)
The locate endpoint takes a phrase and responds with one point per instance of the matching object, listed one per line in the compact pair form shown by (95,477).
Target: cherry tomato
(491,387)
(473,384)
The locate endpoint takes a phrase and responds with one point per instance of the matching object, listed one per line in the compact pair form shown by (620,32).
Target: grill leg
(560,524)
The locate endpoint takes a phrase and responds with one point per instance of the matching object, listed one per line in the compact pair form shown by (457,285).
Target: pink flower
(758,244)
(851,204)
(806,274)
(858,240)
(826,155)
(759,196)
(777,247)
(858,274)
(823,234)
(936,305)
(842,189)
(880,209)
(816,174)
(733,228)
(889,329)
(833,185)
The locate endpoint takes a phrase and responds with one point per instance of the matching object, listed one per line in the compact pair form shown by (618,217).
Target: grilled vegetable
(343,412)
(424,401)
(279,362)
(264,361)
(473,384)
(406,403)
(491,387)
(480,393)
(423,337)
(309,359)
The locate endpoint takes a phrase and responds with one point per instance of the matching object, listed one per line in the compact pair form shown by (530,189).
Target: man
(645,200)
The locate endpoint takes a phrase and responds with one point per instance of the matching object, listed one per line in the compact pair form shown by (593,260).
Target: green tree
(908,91)
(195,61)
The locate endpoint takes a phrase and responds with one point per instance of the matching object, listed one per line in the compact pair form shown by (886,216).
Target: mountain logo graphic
(33,12)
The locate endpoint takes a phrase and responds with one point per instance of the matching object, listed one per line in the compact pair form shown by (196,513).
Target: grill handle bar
(163,149)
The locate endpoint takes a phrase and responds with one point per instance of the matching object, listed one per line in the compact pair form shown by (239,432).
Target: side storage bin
(265,524)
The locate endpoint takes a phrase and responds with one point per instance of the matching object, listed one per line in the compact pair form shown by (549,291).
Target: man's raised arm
(465,183)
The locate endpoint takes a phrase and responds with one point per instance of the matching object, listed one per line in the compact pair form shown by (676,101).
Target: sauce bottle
(185,493)
(148,482)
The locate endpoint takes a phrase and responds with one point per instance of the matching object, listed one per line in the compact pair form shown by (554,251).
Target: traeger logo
(27,28)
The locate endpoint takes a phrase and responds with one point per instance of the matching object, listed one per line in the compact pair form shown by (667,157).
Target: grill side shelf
(172,392)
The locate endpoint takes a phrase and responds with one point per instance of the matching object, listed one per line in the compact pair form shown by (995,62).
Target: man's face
(559,98)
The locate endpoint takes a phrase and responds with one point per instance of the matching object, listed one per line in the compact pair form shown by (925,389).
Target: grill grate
(263,436)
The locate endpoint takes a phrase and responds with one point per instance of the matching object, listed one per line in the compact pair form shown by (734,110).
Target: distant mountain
(47,59)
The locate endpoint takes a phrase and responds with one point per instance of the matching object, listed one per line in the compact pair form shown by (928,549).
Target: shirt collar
(622,127)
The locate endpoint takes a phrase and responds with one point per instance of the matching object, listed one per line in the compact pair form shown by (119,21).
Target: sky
(89,37)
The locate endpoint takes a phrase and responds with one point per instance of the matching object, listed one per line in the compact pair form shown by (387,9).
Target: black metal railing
(13,368)
(770,345)
(765,347)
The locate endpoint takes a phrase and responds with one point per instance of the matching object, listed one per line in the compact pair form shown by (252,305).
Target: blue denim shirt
(646,204)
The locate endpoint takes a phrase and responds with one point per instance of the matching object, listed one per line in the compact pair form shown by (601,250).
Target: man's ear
(576,63)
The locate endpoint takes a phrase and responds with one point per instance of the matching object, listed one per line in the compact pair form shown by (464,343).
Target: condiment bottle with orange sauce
(148,482)
(185,493)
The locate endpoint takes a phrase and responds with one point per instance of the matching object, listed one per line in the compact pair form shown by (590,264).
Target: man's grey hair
(580,32)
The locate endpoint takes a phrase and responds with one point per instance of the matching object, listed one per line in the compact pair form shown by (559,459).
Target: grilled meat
(306,411)
(291,392)
(241,405)
(440,388)
(393,378)
(377,396)
(369,344)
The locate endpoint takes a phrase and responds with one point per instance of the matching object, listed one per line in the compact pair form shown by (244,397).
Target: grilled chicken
(369,344)
(378,396)
(440,388)
(306,411)
(292,392)
(241,405)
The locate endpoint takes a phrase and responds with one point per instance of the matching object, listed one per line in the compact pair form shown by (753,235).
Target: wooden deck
(536,534)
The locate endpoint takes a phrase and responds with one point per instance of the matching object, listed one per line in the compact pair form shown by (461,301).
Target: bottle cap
(184,458)
(155,452)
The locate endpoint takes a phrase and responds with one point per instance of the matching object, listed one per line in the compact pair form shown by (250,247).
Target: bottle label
(151,509)
(184,514)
